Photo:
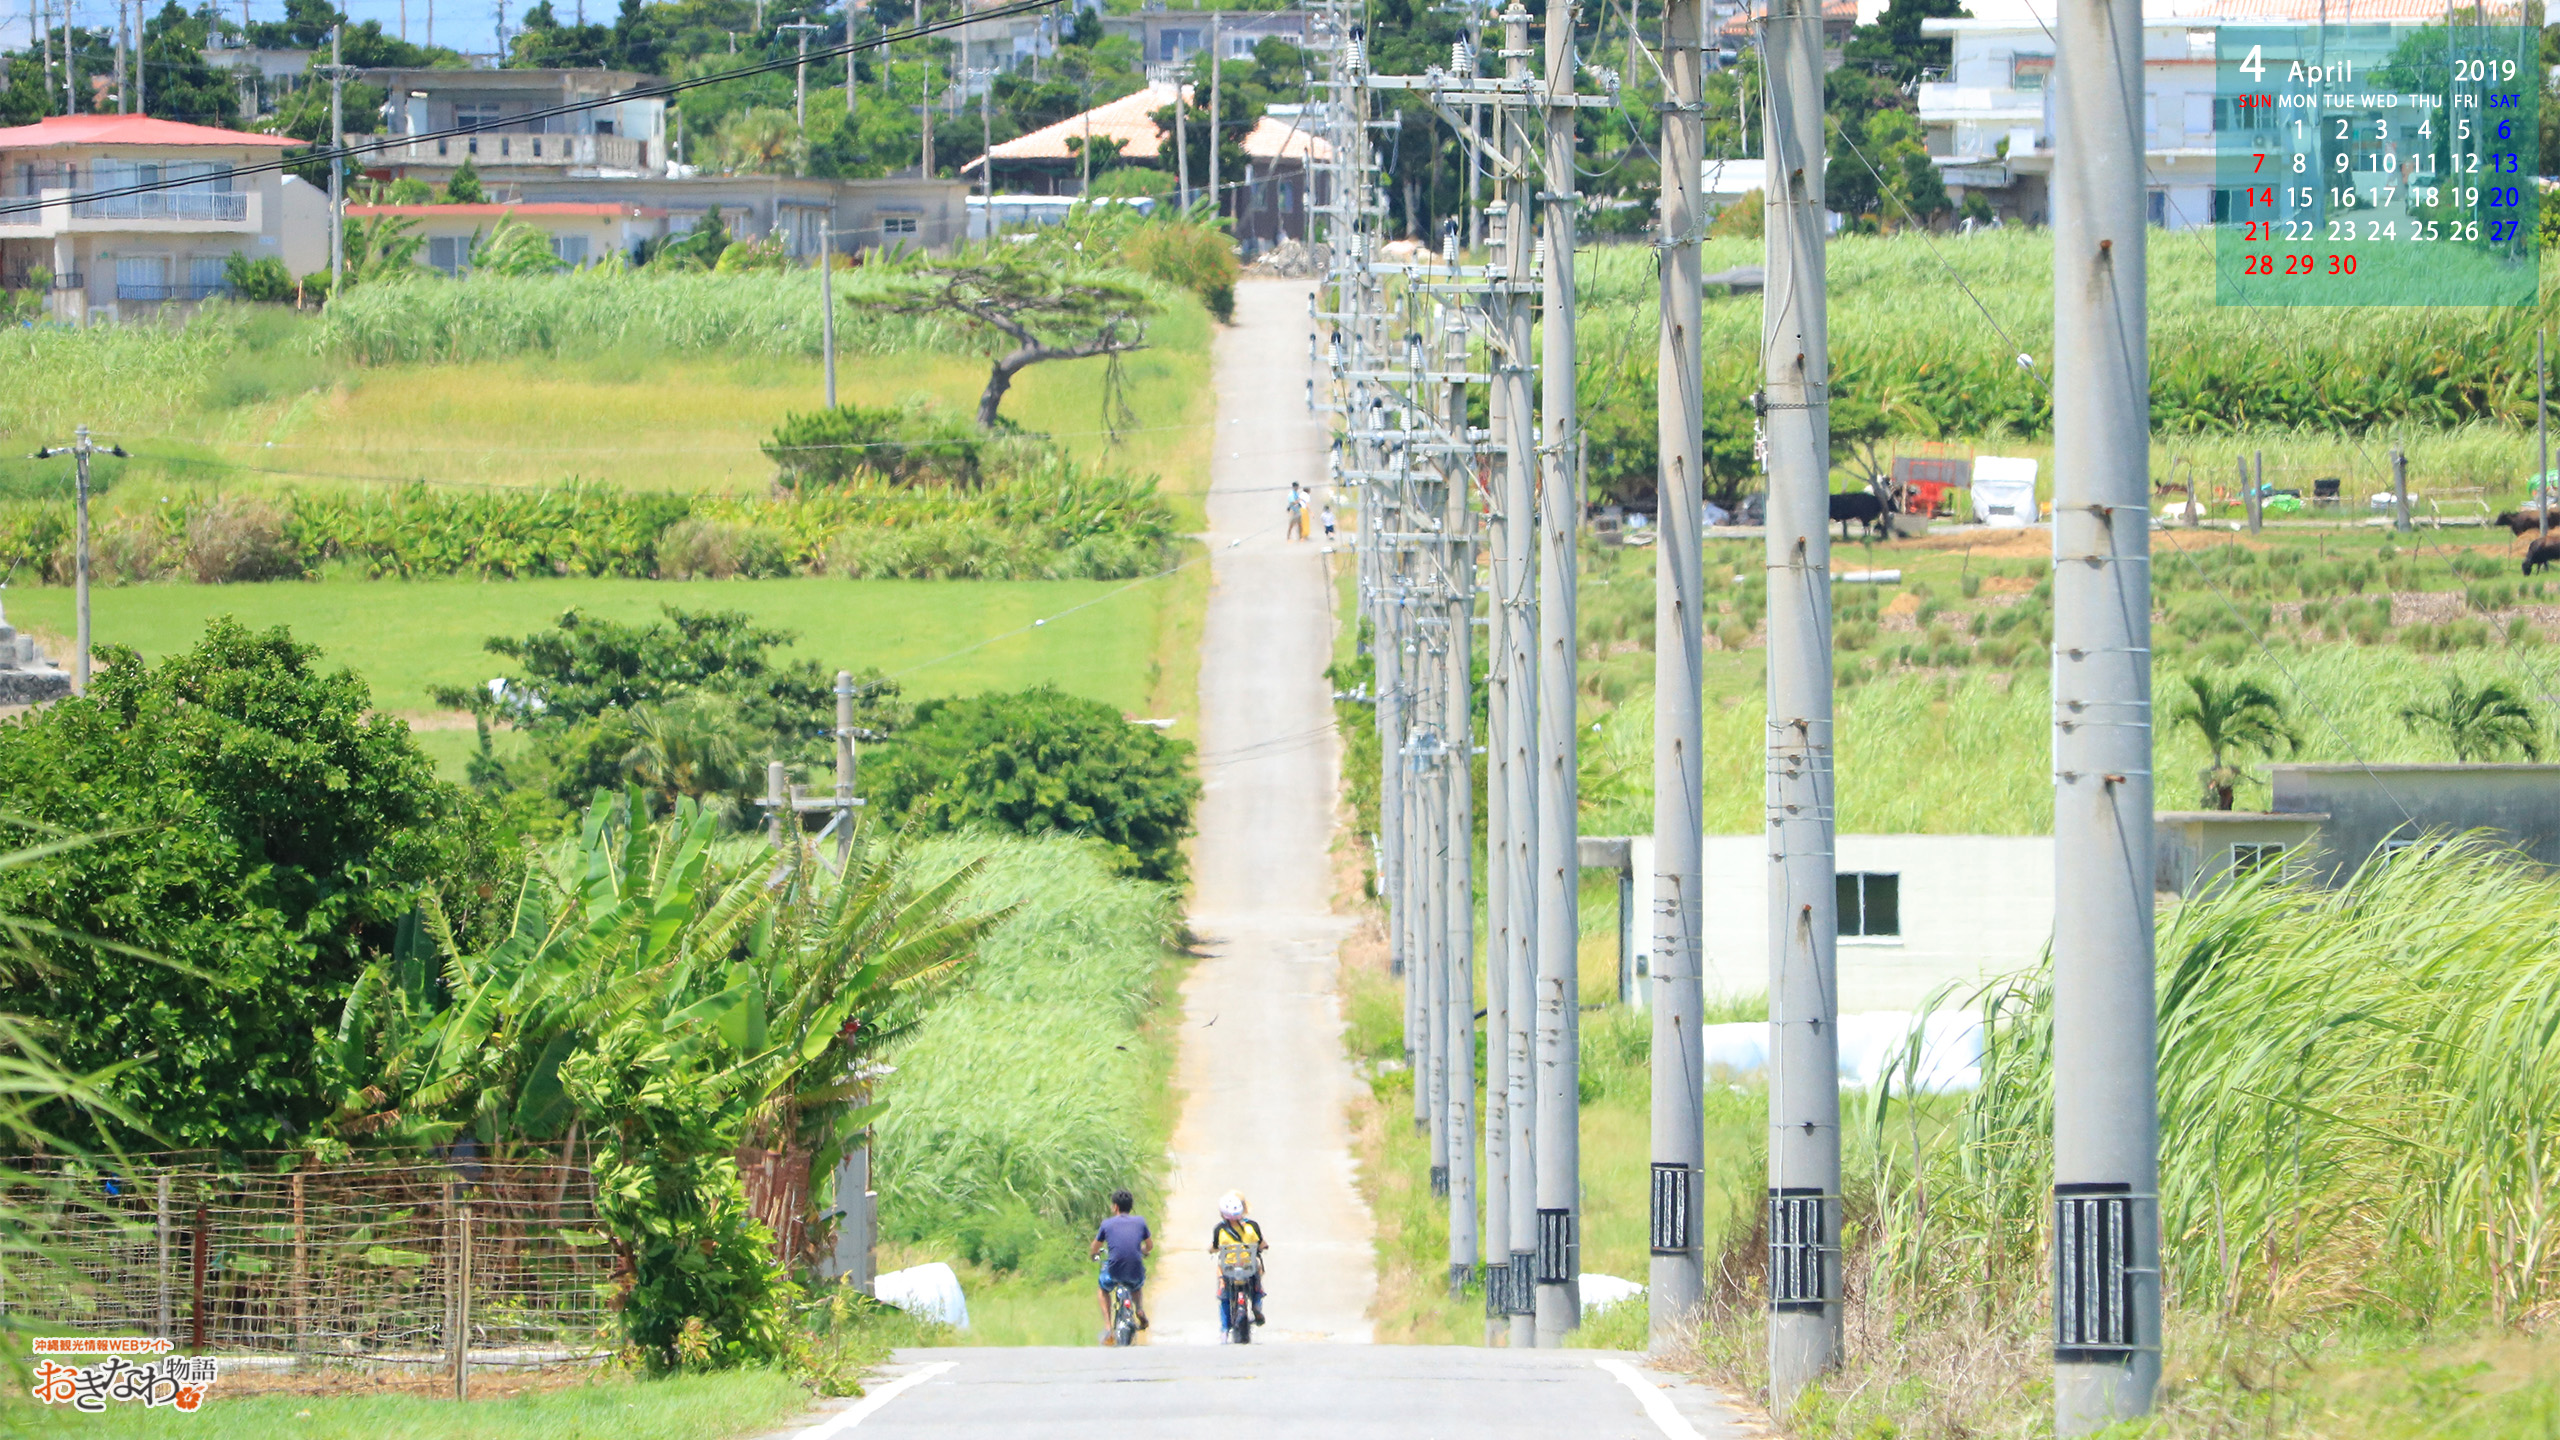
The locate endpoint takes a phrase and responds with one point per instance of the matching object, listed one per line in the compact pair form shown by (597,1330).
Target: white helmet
(1231,1205)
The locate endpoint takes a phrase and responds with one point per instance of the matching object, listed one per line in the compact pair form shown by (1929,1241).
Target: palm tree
(2235,715)
(763,140)
(2481,722)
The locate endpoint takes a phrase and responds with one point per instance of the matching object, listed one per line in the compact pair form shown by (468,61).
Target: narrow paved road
(1266,1090)
(1287,1392)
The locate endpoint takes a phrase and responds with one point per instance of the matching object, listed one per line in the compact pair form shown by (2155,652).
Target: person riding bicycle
(1235,1227)
(1128,1242)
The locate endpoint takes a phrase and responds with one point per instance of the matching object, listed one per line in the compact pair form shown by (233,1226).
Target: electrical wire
(654,91)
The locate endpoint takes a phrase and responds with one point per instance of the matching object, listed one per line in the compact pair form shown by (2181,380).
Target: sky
(466,25)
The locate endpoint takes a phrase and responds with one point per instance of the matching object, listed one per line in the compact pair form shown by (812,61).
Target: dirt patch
(1900,605)
(2004,544)
(432,719)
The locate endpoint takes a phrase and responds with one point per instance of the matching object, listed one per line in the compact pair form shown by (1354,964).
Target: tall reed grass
(1027,1097)
(491,316)
(1922,753)
(2359,1109)
(1930,329)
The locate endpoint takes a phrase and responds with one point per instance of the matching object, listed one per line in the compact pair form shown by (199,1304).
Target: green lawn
(692,1407)
(406,637)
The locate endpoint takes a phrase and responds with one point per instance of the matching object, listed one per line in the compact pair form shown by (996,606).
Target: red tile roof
(129,130)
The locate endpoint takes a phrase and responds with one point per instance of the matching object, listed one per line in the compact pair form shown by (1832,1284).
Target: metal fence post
(160,1216)
(462,1302)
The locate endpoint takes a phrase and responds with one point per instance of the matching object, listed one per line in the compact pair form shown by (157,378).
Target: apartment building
(135,254)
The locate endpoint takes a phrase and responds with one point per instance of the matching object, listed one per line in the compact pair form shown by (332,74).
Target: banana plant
(763,965)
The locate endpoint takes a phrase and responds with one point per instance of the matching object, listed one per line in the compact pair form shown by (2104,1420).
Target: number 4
(2254,67)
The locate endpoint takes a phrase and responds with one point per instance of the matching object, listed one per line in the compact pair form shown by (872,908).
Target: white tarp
(928,1292)
(1873,1046)
(2004,490)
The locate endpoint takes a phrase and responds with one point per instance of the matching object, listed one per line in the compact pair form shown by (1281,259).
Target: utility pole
(851,60)
(1217,57)
(2542,425)
(1181,142)
(1516,591)
(827,317)
(122,95)
(80,449)
(987,147)
(70,66)
(1804,1088)
(1677,1275)
(338,165)
(1458,924)
(1559,857)
(141,62)
(927,110)
(800,74)
(2106,1236)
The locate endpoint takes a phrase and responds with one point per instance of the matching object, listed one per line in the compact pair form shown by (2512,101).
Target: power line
(658,90)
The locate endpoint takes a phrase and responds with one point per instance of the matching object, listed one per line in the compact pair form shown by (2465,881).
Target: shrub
(124,550)
(264,280)
(1196,257)
(235,540)
(699,549)
(1040,760)
(262,828)
(908,444)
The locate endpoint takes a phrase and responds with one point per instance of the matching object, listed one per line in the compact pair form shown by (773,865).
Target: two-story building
(1990,121)
(624,153)
(1169,38)
(133,254)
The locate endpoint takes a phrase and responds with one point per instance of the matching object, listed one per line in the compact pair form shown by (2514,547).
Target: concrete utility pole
(2106,1355)
(1516,591)
(926,109)
(123,96)
(80,449)
(1559,856)
(1804,1088)
(70,66)
(337,165)
(800,73)
(141,65)
(851,62)
(827,308)
(1458,922)
(1677,1275)
(1181,143)
(1217,58)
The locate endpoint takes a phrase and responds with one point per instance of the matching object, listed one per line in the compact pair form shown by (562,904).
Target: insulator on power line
(1354,58)
(1462,60)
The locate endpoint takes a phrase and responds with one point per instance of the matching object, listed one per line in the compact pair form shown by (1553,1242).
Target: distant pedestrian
(1297,512)
(1328,523)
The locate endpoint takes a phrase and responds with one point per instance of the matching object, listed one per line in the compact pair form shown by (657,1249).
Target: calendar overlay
(2376,165)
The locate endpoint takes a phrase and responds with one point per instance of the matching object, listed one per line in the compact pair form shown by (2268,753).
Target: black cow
(2540,553)
(2521,522)
(1865,507)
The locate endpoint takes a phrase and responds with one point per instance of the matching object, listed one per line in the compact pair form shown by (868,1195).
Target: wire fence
(394,1258)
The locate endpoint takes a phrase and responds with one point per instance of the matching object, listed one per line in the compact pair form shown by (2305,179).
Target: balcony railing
(162,293)
(210,205)
(512,147)
(1979,102)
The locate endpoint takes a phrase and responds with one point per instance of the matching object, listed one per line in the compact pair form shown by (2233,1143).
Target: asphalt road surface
(1300,1392)
(1266,1089)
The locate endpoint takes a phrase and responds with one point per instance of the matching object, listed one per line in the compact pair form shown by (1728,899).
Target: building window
(1870,905)
(892,226)
(570,250)
(1178,44)
(478,114)
(204,276)
(142,277)
(2029,72)
(2249,856)
(448,253)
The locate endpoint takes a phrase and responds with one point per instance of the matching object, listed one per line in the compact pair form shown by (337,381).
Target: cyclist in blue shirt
(1123,1242)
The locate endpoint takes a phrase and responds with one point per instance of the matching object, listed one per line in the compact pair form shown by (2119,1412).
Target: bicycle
(1124,1315)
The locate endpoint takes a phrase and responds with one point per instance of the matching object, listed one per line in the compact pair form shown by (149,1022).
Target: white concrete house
(581,233)
(135,254)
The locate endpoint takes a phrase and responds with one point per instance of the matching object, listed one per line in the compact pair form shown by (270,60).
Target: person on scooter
(1235,1227)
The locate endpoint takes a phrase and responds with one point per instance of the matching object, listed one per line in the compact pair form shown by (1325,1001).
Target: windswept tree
(2232,716)
(1048,313)
(2480,722)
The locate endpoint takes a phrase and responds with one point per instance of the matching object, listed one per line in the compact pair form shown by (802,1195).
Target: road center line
(870,1404)
(1657,1406)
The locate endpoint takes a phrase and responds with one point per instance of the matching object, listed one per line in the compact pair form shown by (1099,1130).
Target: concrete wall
(1973,906)
(2192,848)
(2369,804)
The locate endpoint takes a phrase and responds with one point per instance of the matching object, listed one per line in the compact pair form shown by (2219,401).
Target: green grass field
(406,637)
